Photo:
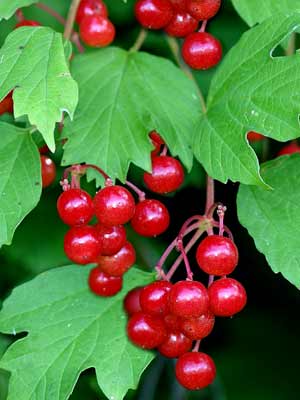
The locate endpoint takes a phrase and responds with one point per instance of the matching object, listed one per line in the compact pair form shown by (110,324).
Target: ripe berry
(203,9)
(96,31)
(172,323)
(181,25)
(112,238)
(120,262)
(197,328)
(167,175)
(7,105)
(91,7)
(175,345)
(44,149)
(27,22)
(146,331)
(195,370)
(151,218)
(132,301)
(227,297)
(104,285)
(201,50)
(114,205)
(81,244)
(75,207)
(188,299)
(254,136)
(290,148)
(217,255)
(157,142)
(154,298)
(48,170)
(153,14)
(179,5)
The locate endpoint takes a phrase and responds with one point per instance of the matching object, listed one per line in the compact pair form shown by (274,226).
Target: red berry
(153,14)
(175,345)
(157,142)
(188,299)
(172,323)
(104,285)
(146,331)
(227,297)
(154,298)
(112,238)
(197,328)
(132,301)
(27,22)
(96,31)
(195,370)
(167,175)
(181,25)
(90,8)
(217,255)
(254,136)
(44,149)
(151,218)
(290,148)
(114,205)
(179,5)
(7,104)
(81,244)
(203,9)
(120,262)
(201,50)
(48,170)
(75,207)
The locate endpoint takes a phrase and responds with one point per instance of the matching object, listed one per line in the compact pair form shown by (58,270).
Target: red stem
(196,346)
(51,12)
(226,229)
(140,193)
(164,151)
(19,15)
(186,261)
(203,26)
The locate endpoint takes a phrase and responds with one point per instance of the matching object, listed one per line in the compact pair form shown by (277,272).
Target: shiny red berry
(181,25)
(114,205)
(48,170)
(7,105)
(227,297)
(81,244)
(254,136)
(201,50)
(157,142)
(91,7)
(197,328)
(179,5)
(27,22)
(104,285)
(188,299)
(167,175)
(195,371)
(120,262)
(217,255)
(290,148)
(203,9)
(153,14)
(146,331)
(97,31)
(132,301)
(112,238)
(175,345)
(75,207)
(151,218)
(154,297)
(172,323)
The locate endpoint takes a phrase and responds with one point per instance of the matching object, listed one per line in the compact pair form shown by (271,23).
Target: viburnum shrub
(107,143)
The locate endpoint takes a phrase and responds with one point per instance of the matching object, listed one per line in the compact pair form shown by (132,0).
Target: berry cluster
(171,317)
(104,242)
(95,29)
(180,18)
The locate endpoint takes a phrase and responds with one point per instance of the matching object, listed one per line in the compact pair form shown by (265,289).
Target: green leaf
(33,62)
(256,11)
(70,330)
(9,7)
(20,178)
(272,217)
(251,91)
(123,96)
